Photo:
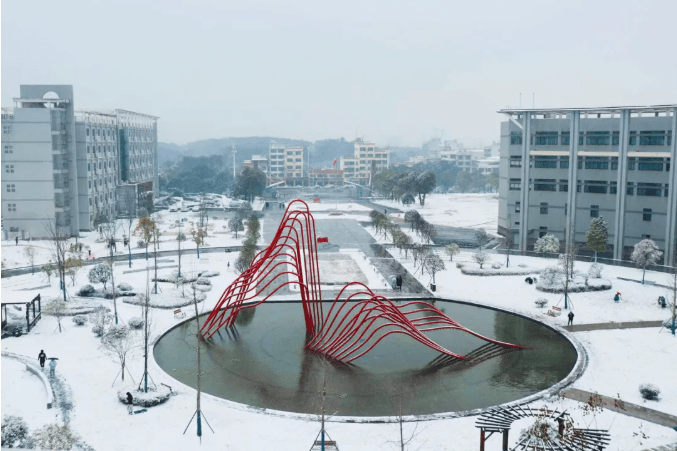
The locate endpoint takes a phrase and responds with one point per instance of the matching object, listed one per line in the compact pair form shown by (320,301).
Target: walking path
(625,408)
(612,325)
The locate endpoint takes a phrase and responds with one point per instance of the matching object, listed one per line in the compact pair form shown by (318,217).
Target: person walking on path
(52,367)
(42,357)
(571,319)
(130,400)
(16,238)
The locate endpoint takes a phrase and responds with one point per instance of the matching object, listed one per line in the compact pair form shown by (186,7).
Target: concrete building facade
(65,165)
(619,165)
(288,164)
(367,161)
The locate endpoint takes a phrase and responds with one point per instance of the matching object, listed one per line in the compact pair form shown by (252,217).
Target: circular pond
(262,362)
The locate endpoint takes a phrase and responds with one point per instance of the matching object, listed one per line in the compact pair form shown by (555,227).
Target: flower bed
(152,397)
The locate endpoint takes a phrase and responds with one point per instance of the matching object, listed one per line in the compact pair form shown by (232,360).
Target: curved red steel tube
(340,335)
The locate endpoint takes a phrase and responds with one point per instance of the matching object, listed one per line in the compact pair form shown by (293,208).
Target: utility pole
(234,151)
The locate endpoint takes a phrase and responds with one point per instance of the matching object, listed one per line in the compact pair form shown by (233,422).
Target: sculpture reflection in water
(357,320)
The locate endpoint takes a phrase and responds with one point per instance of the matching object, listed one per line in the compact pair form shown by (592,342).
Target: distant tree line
(197,175)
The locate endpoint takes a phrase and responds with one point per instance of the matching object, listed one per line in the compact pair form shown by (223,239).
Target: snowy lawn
(477,211)
(622,360)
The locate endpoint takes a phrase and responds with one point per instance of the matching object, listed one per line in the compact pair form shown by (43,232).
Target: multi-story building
(65,165)
(366,162)
(620,165)
(325,177)
(287,164)
(259,162)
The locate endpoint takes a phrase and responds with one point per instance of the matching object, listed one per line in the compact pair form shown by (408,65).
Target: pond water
(262,362)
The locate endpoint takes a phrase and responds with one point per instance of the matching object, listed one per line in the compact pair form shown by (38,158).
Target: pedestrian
(17,240)
(52,367)
(571,319)
(90,252)
(130,400)
(398,283)
(617,296)
(229,264)
(385,211)
(42,357)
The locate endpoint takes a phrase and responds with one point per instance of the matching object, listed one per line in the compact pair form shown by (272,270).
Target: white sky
(391,71)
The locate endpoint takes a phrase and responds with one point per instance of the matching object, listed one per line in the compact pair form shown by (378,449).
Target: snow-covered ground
(477,211)
(620,360)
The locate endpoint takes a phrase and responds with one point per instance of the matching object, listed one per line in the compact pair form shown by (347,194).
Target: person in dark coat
(130,400)
(42,357)
(571,319)
(398,282)
(17,240)
(529,280)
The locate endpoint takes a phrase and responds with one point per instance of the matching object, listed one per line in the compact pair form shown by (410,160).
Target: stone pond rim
(267,369)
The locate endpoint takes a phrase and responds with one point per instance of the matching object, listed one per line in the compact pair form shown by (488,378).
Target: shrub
(54,436)
(203,281)
(124,287)
(135,322)
(98,330)
(541,302)
(595,271)
(522,265)
(649,392)
(14,432)
(459,265)
(86,291)
(209,274)
(141,244)
(80,320)
(497,265)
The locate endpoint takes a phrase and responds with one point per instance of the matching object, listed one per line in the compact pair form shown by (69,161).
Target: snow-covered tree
(100,274)
(480,258)
(235,225)
(433,265)
(57,309)
(451,250)
(48,269)
(411,217)
(30,254)
(597,235)
(547,244)
(646,253)
(425,183)
(408,199)
(428,232)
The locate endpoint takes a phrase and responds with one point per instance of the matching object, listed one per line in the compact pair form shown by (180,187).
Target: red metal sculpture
(346,332)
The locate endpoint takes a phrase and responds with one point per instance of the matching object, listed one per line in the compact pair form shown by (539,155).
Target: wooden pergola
(500,419)
(33,314)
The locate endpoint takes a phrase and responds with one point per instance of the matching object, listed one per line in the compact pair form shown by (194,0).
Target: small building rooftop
(603,109)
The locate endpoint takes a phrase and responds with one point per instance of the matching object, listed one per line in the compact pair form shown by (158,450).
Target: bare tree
(129,212)
(100,319)
(673,303)
(403,442)
(119,341)
(566,265)
(60,240)
(434,264)
(451,250)
(30,254)
(57,309)
(110,230)
(147,332)
(482,237)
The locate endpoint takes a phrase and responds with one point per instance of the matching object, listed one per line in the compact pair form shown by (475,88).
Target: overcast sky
(395,72)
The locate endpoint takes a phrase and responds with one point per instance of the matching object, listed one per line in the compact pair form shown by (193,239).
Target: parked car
(173,209)
(185,209)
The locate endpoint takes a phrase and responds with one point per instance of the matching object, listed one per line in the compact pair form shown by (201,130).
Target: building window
(595,187)
(594,211)
(566,138)
(646,237)
(566,209)
(544,208)
(649,189)
(564,163)
(614,163)
(545,162)
(6,129)
(545,139)
(87,131)
(11,188)
(515,137)
(515,184)
(631,163)
(667,191)
(542,231)
(597,138)
(613,188)
(652,138)
(564,185)
(630,190)
(9,168)
(9,148)
(633,139)
(596,163)
(11,207)
(515,162)
(615,138)
(647,214)
(650,164)
(580,162)
(545,185)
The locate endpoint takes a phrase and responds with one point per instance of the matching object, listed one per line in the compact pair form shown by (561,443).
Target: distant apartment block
(67,165)
(259,162)
(561,167)
(325,177)
(367,161)
(288,164)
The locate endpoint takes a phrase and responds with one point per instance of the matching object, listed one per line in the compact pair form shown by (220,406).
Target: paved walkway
(612,325)
(627,408)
